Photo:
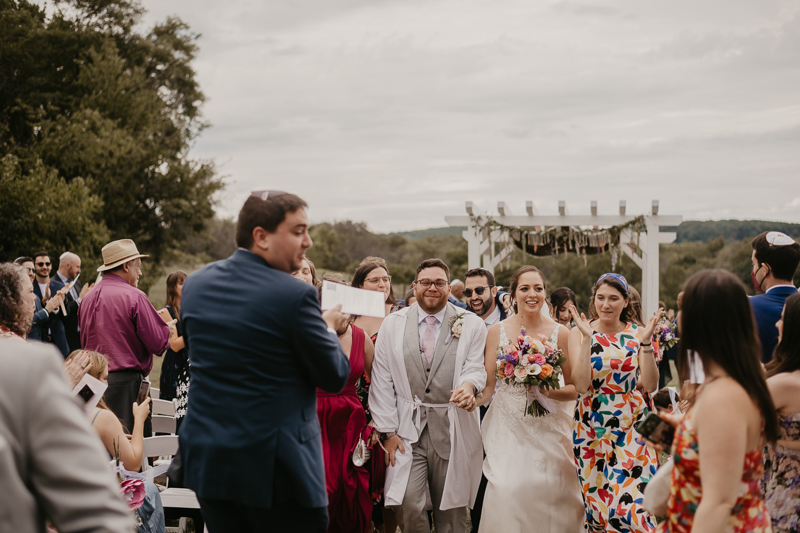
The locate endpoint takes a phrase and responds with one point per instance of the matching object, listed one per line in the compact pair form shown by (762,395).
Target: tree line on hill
(340,246)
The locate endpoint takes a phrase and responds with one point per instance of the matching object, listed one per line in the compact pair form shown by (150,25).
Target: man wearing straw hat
(118,321)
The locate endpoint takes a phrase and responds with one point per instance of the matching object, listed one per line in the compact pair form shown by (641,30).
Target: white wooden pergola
(485,252)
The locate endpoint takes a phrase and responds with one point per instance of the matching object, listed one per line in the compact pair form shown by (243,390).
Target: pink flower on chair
(133,491)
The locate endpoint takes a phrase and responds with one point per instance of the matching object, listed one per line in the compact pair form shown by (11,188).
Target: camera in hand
(654,429)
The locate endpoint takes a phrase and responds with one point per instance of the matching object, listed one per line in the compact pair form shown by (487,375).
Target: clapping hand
(53,303)
(85,290)
(651,324)
(580,321)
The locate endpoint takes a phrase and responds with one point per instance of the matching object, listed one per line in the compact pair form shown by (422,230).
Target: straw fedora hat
(118,252)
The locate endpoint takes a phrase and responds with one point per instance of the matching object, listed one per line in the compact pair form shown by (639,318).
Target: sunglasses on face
(477,290)
(426,283)
(43,264)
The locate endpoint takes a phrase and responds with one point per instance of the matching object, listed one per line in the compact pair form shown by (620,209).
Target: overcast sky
(397,112)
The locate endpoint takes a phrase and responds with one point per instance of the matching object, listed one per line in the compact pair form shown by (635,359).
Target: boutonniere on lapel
(456,327)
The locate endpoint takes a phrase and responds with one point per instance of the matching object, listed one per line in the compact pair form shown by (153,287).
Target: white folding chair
(155,393)
(171,497)
(164,424)
(163,407)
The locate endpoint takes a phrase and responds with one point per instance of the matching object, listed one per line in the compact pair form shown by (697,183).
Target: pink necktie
(429,338)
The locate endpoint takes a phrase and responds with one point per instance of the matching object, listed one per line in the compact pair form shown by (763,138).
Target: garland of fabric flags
(557,240)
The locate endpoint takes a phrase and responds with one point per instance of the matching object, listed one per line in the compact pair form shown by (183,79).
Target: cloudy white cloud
(395,113)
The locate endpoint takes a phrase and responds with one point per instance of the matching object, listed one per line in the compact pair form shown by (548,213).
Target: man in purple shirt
(118,321)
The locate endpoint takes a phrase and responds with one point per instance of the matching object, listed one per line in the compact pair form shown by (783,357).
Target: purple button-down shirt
(118,321)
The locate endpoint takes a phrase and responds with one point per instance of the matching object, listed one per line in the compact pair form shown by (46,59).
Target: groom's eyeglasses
(477,290)
(426,283)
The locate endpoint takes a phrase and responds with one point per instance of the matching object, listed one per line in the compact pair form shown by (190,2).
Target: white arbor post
(645,253)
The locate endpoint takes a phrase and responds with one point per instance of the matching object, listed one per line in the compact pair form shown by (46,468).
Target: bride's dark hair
(524,269)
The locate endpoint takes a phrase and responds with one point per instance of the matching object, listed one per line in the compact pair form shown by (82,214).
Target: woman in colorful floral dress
(717,447)
(782,460)
(609,354)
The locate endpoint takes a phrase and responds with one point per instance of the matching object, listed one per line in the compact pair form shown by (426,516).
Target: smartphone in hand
(654,429)
(144,391)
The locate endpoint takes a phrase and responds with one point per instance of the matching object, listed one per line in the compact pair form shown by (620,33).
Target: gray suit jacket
(52,464)
(432,382)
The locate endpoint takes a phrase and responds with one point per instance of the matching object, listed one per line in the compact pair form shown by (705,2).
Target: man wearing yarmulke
(775,260)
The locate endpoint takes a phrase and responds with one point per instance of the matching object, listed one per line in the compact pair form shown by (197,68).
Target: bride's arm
(490,360)
(567,392)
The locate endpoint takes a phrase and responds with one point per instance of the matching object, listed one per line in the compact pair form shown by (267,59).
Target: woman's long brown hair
(717,323)
(173,299)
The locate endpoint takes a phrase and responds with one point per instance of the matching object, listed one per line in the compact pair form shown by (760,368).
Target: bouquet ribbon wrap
(535,394)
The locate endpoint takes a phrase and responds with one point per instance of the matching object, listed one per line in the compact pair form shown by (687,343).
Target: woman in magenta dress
(342,420)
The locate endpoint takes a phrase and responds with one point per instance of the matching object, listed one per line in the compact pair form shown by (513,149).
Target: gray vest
(432,383)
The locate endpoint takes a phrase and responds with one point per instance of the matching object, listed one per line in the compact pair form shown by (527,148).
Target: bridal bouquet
(534,363)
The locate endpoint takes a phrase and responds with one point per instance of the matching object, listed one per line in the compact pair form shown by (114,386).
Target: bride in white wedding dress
(532,485)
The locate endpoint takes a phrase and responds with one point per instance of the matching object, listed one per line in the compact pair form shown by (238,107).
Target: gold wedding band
(83,366)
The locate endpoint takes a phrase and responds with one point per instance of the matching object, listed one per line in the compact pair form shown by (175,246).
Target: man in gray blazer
(52,465)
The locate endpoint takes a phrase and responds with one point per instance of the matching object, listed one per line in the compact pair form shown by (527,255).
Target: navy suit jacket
(41,322)
(55,324)
(258,349)
(767,309)
(456,302)
(70,321)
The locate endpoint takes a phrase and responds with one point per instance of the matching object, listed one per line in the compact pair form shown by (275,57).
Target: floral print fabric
(748,515)
(782,477)
(612,467)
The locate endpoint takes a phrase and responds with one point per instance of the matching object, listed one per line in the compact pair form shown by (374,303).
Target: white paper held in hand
(354,301)
(89,390)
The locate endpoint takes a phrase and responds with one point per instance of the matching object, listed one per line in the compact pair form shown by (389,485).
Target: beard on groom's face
(431,300)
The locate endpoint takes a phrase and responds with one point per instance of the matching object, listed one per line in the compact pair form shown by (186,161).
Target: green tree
(86,94)
(39,210)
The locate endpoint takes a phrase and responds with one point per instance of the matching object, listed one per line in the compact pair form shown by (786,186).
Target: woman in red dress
(342,419)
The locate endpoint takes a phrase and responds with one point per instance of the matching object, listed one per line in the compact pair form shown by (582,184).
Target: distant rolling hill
(688,231)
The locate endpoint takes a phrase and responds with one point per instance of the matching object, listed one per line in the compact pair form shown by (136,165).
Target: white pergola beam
(503,209)
(622,206)
(562,208)
(530,207)
(594,208)
(571,220)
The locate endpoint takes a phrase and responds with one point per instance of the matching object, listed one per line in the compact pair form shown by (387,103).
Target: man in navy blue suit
(43,316)
(259,348)
(54,332)
(775,259)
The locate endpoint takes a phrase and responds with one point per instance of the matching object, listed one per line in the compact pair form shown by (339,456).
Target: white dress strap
(554,335)
(503,336)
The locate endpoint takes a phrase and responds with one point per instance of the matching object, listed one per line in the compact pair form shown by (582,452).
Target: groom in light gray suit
(428,367)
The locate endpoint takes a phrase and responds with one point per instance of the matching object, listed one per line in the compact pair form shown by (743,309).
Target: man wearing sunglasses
(775,259)
(483,298)
(55,331)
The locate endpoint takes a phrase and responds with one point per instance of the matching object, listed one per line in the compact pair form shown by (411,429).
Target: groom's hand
(464,396)
(391,445)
